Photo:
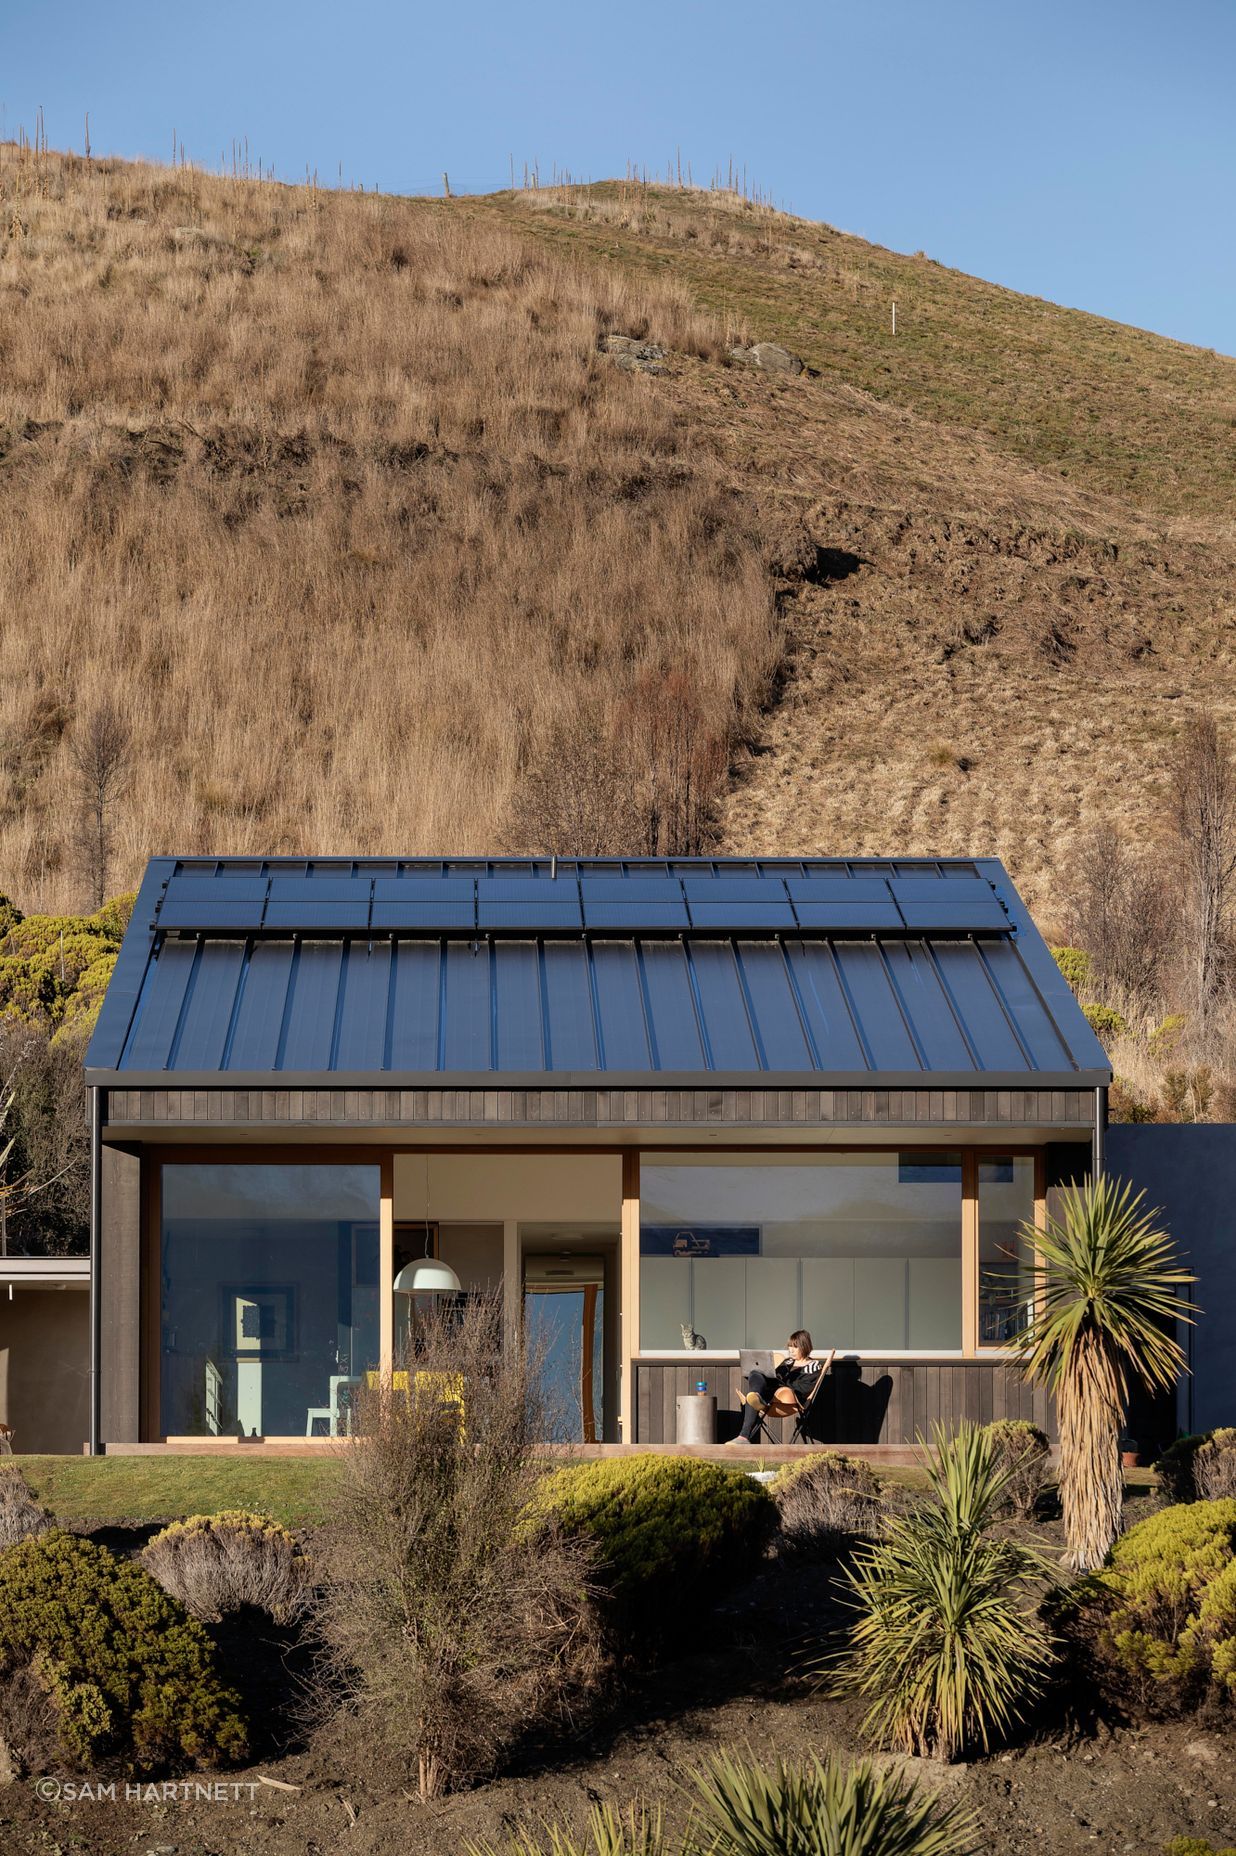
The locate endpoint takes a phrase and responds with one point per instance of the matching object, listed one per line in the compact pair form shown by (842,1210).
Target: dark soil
(1069,1786)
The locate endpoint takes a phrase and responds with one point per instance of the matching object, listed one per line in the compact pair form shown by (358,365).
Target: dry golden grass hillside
(337,500)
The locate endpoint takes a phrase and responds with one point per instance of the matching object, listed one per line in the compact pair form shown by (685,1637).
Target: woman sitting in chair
(797,1376)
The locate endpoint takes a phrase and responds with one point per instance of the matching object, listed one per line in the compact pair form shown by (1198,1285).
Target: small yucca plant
(821,1809)
(633,1832)
(1109,1296)
(946,1647)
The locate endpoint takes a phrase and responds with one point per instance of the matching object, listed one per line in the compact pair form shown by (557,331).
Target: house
(45,1353)
(652,1100)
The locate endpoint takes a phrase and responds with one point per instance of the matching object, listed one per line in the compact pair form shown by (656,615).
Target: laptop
(757,1360)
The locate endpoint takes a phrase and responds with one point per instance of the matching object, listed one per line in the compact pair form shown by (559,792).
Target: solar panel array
(578,901)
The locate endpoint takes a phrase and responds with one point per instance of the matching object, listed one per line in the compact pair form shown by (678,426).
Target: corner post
(386,1269)
(1100,1132)
(629,1293)
(969,1253)
(95,1443)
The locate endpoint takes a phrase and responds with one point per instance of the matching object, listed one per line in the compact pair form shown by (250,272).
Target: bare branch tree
(1116,907)
(1203,815)
(100,751)
(577,799)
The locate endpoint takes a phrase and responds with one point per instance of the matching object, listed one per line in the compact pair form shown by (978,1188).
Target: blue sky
(1082,150)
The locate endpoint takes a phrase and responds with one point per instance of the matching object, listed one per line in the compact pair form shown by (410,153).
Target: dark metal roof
(684,971)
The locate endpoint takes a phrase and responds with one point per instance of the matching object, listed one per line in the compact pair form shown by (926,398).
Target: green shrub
(1175,1467)
(1214,1467)
(823,1501)
(215,1563)
(1105,1021)
(1161,1615)
(1074,963)
(1196,1846)
(946,1650)
(1023,1455)
(130,1673)
(670,1533)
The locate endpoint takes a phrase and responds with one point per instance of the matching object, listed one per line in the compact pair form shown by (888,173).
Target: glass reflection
(268,1297)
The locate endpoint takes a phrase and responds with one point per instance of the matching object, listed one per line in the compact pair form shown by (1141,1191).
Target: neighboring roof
(44,1272)
(367,971)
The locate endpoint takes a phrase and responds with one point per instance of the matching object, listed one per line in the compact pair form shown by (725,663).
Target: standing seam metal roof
(377,971)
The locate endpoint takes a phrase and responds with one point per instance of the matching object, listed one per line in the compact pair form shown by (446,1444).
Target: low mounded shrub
(1160,1617)
(670,1534)
(742,1808)
(1196,1846)
(130,1674)
(1023,1455)
(216,1563)
(21,1516)
(1175,1467)
(1214,1467)
(823,1501)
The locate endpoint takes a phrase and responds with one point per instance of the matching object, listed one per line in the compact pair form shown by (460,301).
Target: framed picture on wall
(258,1322)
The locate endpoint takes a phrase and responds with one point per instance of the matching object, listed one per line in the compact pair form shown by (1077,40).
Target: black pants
(763,1384)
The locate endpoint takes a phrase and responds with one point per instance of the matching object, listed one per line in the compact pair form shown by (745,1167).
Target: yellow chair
(448,1387)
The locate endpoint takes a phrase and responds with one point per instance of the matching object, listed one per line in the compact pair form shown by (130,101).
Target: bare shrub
(453,1624)
(1214,1467)
(30,1721)
(1117,909)
(824,1502)
(1023,1455)
(21,1516)
(216,1563)
(99,749)
(1203,817)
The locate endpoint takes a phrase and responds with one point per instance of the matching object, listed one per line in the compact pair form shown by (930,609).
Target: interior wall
(45,1369)
(470,1188)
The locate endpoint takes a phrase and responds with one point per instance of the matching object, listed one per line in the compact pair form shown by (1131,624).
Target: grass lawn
(294,1490)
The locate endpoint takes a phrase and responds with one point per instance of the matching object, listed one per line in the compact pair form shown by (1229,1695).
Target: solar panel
(531,915)
(854,917)
(733,888)
(213,902)
(654,903)
(313,917)
(834,888)
(429,916)
(957,904)
(737,916)
(313,889)
(633,917)
(431,888)
(527,902)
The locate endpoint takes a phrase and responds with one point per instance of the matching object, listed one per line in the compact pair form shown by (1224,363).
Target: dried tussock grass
(335,499)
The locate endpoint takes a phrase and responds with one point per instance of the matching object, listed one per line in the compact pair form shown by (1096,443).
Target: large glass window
(864,1250)
(268,1297)
(1006,1257)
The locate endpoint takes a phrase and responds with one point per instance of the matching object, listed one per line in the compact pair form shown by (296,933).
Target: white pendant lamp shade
(427,1276)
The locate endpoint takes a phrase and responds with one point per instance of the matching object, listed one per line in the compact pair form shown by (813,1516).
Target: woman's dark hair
(801,1339)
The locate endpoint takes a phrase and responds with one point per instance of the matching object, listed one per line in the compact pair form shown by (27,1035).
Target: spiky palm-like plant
(745,1809)
(946,1648)
(1110,1284)
(822,1809)
(633,1832)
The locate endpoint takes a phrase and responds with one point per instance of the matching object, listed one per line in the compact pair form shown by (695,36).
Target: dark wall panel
(120,1293)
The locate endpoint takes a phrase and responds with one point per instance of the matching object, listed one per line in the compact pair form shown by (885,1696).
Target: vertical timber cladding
(872,1401)
(428,1108)
(120,1240)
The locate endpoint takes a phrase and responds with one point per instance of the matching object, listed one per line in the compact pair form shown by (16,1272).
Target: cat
(691,1340)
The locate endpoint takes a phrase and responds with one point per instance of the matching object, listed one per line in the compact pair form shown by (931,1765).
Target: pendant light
(427,1275)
